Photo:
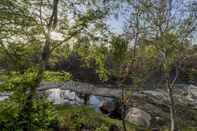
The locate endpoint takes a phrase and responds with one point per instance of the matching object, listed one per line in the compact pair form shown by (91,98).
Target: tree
(119,50)
(167,26)
(34,22)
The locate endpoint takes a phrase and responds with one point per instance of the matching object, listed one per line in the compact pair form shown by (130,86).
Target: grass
(75,117)
(3,77)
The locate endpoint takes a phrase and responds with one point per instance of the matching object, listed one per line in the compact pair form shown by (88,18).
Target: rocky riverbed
(147,108)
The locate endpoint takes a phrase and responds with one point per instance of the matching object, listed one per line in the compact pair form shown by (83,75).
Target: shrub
(12,113)
(57,76)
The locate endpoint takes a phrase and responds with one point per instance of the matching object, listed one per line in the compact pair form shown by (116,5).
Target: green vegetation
(12,117)
(61,40)
(75,117)
(57,76)
(49,76)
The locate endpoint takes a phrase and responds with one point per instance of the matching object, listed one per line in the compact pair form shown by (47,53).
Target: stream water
(61,97)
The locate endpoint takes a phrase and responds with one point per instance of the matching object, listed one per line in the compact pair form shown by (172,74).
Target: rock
(153,101)
(138,117)
(61,97)
(54,96)
(156,103)
(4,95)
(111,107)
(2,98)
(107,106)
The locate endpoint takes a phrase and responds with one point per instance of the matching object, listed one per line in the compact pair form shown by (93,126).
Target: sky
(116,25)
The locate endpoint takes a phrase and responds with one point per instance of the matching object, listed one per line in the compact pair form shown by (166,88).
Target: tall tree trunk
(171,85)
(172,109)
(123,108)
(28,106)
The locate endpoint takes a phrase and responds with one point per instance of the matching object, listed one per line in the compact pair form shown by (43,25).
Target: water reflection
(62,97)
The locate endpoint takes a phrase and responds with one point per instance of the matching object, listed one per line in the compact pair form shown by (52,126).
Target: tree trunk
(123,109)
(28,105)
(170,86)
(172,109)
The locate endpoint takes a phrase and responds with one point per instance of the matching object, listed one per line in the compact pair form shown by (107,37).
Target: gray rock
(156,103)
(61,97)
(138,117)
(3,98)
(4,95)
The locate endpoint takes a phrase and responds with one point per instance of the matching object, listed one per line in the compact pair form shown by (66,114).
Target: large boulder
(156,103)
(138,117)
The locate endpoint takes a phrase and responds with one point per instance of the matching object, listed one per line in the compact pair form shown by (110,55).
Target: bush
(12,114)
(57,76)
(75,118)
